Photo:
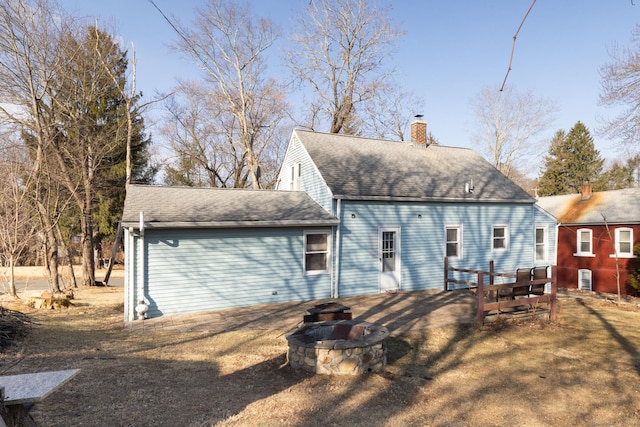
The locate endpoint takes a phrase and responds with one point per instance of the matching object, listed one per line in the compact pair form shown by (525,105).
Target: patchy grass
(582,370)
(39,272)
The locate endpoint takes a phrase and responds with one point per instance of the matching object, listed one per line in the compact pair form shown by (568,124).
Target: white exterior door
(389,258)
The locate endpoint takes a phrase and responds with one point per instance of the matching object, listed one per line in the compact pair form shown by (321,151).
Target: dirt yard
(583,370)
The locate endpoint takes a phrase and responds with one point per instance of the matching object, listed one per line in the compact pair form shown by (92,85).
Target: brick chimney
(419,132)
(587,189)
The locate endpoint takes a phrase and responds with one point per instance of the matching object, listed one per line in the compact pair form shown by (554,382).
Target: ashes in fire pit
(339,347)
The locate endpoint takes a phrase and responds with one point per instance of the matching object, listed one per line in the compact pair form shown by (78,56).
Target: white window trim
(578,245)
(304,252)
(460,240)
(580,272)
(506,237)
(616,244)
(545,232)
(295,176)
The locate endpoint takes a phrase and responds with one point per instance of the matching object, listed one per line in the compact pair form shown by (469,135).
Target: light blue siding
(204,270)
(422,241)
(194,270)
(311,181)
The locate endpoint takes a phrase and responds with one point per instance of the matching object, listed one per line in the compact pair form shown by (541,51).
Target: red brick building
(596,235)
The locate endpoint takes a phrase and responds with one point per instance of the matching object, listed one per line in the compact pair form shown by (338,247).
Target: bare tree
(29,66)
(17,229)
(229,43)
(52,202)
(94,118)
(391,112)
(203,143)
(55,87)
(206,143)
(508,124)
(339,51)
(620,86)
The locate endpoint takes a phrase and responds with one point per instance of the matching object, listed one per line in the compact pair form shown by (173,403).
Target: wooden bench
(527,290)
(20,392)
(521,288)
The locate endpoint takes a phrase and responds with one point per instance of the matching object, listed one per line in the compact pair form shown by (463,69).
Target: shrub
(634,276)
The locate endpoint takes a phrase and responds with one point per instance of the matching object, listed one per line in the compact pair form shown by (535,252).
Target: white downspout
(130,273)
(336,278)
(142,307)
(555,245)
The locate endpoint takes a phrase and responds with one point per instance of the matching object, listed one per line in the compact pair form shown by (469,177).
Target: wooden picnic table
(20,392)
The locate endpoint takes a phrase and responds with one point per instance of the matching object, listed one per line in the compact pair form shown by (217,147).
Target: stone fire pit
(340,347)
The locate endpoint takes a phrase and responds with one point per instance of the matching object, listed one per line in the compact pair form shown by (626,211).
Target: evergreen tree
(110,183)
(552,180)
(617,177)
(572,161)
(90,150)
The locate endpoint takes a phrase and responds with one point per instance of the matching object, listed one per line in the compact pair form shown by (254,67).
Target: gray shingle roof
(215,207)
(355,167)
(617,206)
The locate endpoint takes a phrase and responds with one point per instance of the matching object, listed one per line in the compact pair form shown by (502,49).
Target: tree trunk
(50,245)
(114,249)
(254,169)
(67,254)
(51,256)
(88,265)
(12,277)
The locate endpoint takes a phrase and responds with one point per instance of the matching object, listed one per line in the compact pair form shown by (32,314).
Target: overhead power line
(513,46)
(186,39)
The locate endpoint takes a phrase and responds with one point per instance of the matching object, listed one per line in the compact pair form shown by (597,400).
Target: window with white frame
(453,236)
(500,237)
(624,242)
(585,280)
(584,242)
(295,171)
(541,243)
(316,252)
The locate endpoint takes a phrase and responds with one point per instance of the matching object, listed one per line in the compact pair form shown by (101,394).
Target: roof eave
(598,223)
(232,224)
(432,199)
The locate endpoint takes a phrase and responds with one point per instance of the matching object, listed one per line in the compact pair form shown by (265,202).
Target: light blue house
(202,249)
(349,216)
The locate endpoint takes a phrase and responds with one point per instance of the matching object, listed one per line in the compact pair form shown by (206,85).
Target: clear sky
(451,50)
